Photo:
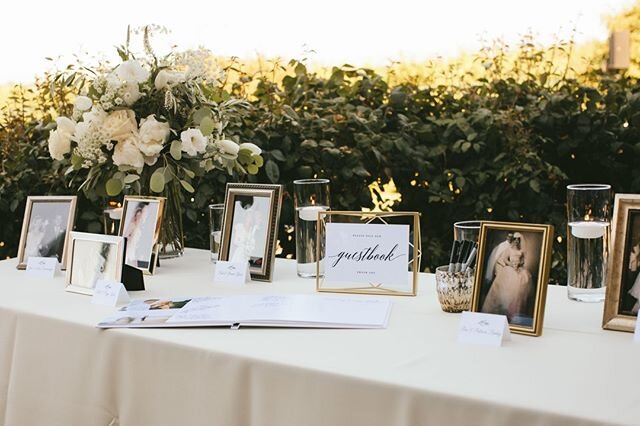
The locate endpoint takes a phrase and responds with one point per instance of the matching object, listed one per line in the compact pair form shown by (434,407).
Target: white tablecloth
(56,368)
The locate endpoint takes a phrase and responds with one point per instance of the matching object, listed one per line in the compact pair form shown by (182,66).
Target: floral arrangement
(151,120)
(149,125)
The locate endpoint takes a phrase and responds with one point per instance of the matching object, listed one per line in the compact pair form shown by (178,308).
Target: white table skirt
(56,368)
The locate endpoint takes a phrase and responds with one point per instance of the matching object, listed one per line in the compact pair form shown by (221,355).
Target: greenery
(500,142)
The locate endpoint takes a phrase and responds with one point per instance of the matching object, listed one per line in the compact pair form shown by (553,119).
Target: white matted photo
(93,257)
(250,227)
(45,228)
(141,221)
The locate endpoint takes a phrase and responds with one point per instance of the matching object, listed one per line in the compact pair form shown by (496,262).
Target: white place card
(109,293)
(231,272)
(636,335)
(42,267)
(483,329)
(371,253)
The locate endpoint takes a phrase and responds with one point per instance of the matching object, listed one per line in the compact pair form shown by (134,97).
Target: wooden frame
(58,245)
(412,219)
(512,273)
(252,231)
(93,257)
(146,239)
(623,270)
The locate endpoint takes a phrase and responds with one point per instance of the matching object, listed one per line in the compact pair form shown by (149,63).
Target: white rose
(130,93)
(228,149)
(82,103)
(168,78)
(96,115)
(255,149)
(59,144)
(153,134)
(132,71)
(126,153)
(193,142)
(120,124)
(113,81)
(66,127)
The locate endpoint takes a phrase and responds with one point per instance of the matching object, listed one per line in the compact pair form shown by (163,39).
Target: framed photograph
(45,228)
(512,273)
(140,225)
(93,257)
(250,226)
(368,252)
(622,300)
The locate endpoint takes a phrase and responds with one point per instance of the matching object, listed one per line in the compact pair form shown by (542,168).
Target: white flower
(113,82)
(228,149)
(82,103)
(121,124)
(130,93)
(65,127)
(132,71)
(153,134)
(59,144)
(167,78)
(255,149)
(193,142)
(96,115)
(126,153)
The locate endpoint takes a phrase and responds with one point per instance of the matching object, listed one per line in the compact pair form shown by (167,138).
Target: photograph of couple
(630,286)
(250,226)
(140,227)
(93,261)
(510,274)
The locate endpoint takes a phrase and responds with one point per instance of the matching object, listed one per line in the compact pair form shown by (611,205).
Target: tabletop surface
(575,368)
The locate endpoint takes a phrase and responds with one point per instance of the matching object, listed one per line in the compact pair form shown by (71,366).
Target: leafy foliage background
(499,143)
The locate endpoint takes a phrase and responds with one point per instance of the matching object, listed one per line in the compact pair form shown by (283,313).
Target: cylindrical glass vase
(588,235)
(310,196)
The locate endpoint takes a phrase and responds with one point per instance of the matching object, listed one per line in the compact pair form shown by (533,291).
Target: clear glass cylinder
(310,196)
(588,239)
(216,215)
(466,230)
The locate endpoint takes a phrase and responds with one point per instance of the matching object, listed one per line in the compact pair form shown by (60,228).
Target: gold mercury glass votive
(454,289)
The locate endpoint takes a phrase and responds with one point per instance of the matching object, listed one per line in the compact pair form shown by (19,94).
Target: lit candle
(115,214)
(588,229)
(310,213)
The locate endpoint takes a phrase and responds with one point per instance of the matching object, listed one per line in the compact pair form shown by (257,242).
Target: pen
(464,251)
(470,260)
(455,250)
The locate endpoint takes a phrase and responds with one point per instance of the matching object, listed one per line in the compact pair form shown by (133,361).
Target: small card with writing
(109,293)
(483,329)
(636,335)
(42,267)
(231,272)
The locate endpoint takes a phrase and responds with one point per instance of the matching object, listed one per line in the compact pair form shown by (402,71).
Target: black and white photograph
(513,270)
(622,301)
(47,221)
(249,231)
(93,257)
(142,218)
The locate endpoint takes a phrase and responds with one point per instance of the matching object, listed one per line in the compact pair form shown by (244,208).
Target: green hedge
(501,148)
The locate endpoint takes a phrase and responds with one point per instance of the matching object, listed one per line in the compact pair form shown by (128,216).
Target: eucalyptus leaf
(207,125)
(176,150)
(131,178)
(157,182)
(187,186)
(114,187)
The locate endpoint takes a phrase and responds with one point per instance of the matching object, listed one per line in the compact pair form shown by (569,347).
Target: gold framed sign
(512,273)
(622,301)
(368,252)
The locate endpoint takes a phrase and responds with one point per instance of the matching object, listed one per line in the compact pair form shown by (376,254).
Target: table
(56,368)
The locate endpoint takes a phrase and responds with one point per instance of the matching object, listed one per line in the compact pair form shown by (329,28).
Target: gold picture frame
(250,226)
(93,257)
(51,238)
(142,235)
(512,273)
(623,271)
(412,219)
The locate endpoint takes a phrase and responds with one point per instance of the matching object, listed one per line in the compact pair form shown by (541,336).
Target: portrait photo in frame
(140,225)
(512,273)
(45,228)
(250,226)
(622,300)
(93,257)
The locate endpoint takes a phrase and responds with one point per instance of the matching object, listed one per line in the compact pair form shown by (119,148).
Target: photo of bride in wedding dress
(510,275)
